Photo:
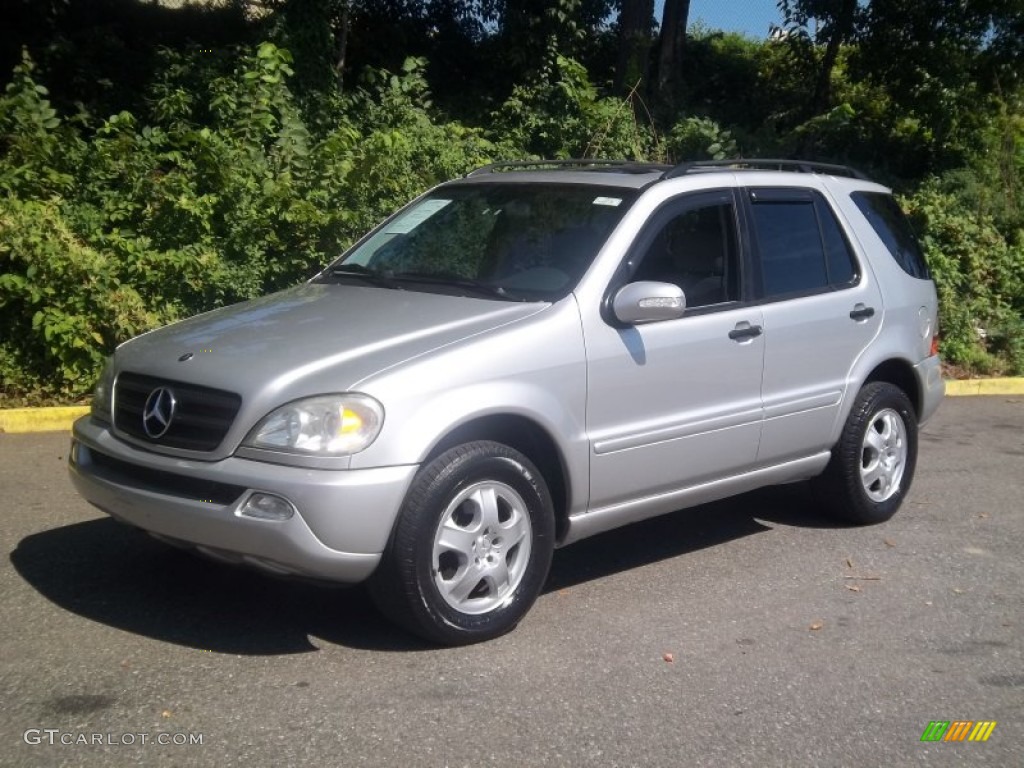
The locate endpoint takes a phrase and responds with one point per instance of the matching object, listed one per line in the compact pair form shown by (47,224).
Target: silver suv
(532,354)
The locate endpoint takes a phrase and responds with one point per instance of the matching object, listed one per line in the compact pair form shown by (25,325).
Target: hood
(311,339)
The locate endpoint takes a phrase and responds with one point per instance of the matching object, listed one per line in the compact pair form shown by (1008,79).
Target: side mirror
(648,302)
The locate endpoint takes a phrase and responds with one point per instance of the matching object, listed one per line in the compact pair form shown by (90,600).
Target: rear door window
(801,246)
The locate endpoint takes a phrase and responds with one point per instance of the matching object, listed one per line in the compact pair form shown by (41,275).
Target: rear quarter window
(885,217)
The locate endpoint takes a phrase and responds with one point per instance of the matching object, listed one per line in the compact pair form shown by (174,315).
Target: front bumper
(933,388)
(342,523)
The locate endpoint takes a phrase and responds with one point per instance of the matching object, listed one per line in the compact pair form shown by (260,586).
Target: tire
(872,465)
(471,547)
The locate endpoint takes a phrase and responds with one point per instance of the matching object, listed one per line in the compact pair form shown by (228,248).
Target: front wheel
(471,548)
(873,463)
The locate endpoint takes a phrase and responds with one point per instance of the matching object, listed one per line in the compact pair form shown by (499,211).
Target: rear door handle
(860,312)
(744,332)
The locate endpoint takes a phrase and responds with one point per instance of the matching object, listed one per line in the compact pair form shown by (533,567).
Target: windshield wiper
(367,274)
(453,279)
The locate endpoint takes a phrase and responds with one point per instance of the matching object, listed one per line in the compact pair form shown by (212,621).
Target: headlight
(103,393)
(328,425)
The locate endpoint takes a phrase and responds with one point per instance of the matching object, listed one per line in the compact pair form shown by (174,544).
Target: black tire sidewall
(873,398)
(438,484)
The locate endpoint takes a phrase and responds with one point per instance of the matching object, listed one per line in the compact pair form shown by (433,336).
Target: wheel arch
(899,373)
(529,438)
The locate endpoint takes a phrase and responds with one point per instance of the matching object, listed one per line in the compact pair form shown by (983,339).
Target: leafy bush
(979,276)
(700,138)
(236,177)
(39,152)
(400,149)
(562,115)
(65,302)
(222,194)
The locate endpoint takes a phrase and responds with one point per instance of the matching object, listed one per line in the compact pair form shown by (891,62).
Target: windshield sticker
(612,201)
(403,225)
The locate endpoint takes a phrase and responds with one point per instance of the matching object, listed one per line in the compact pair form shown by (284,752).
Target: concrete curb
(40,419)
(15,420)
(962,387)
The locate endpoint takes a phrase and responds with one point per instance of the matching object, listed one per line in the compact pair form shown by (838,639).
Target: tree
(835,26)
(635,23)
(671,49)
(940,63)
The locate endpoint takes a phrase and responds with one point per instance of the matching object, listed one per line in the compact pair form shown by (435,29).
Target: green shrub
(700,138)
(562,115)
(238,178)
(979,276)
(223,194)
(400,149)
(66,304)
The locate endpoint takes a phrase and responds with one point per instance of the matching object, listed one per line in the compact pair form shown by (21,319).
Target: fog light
(265,506)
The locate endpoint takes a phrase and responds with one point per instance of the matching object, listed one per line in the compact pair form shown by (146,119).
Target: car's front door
(675,403)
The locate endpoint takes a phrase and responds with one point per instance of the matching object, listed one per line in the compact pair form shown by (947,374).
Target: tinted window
(889,223)
(792,253)
(696,250)
(841,265)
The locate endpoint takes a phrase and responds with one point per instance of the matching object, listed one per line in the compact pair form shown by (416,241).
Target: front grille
(158,481)
(201,419)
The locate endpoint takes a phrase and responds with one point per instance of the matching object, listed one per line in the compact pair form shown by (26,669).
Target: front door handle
(861,312)
(744,332)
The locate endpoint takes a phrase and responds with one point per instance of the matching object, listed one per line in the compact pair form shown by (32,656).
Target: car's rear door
(821,308)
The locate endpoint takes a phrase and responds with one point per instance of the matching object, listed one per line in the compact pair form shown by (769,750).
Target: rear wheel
(873,463)
(471,548)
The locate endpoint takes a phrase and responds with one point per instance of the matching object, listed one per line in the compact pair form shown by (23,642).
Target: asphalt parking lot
(744,633)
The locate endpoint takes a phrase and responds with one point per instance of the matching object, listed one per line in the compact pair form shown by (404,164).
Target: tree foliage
(158,162)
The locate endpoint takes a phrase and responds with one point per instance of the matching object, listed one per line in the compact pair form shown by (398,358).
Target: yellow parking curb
(13,420)
(1009,386)
(40,419)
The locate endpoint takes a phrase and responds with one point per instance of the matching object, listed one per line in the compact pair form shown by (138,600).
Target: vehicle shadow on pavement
(118,576)
(685,531)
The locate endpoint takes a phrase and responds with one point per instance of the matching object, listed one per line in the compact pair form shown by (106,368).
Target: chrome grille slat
(202,418)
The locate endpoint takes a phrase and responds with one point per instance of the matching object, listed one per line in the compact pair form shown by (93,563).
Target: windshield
(520,242)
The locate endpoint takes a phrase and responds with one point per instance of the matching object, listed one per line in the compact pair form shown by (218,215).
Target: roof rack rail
(753,164)
(626,165)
